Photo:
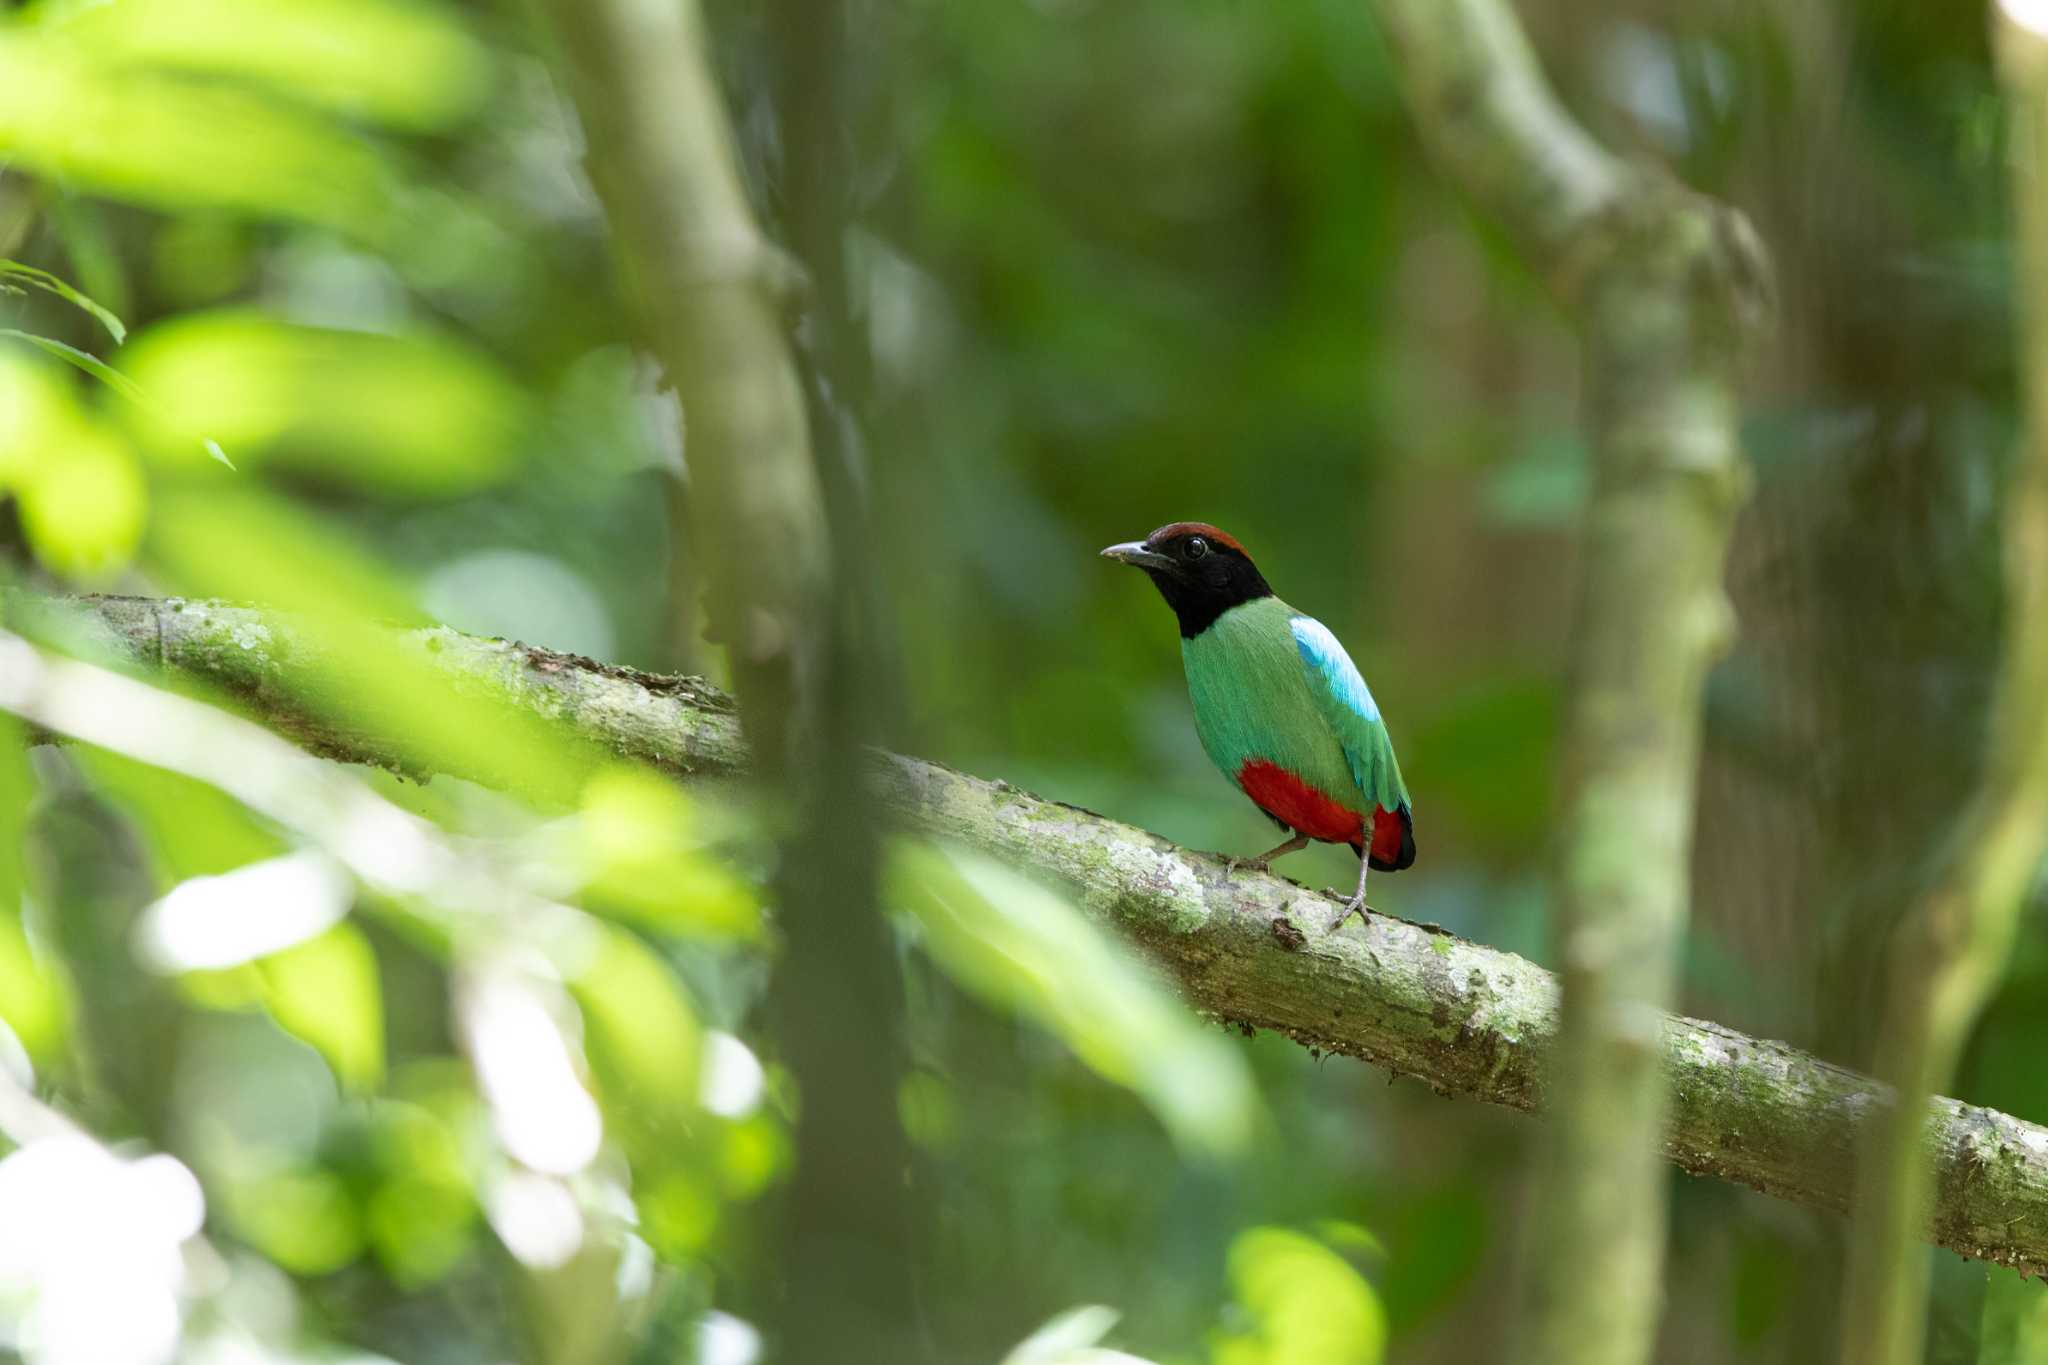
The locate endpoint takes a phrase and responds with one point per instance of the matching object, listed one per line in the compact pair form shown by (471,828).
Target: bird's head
(1201,571)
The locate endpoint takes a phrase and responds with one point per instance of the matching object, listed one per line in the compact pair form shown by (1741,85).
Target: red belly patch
(1301,807)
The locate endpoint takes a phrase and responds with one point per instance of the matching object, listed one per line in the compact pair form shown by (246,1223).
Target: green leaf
(73,111)
(1304,1302)
(33,1002)
(84,508)
(420,1230)
(301,1217)
(416,416)
(639,861)
(91,364)
(112,378)
(422,1218)
(43,279)
(752,1154)
(82,498)
(644,1044)
(326,992)
(1025,949)
(409,65)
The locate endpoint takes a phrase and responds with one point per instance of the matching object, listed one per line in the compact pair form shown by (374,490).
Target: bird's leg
(1356,905)
(1258,864)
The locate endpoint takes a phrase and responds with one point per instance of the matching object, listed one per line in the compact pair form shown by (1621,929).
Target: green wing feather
(1255,699)
(1347,706)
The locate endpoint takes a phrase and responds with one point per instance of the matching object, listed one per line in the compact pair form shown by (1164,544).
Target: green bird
(1279,705)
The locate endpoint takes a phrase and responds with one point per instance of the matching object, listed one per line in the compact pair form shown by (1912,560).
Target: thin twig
(1952,950)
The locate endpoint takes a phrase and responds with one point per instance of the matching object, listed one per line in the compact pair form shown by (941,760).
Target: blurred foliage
(1295,1300)
(1119,264)
(1027,951)
(1304,1302)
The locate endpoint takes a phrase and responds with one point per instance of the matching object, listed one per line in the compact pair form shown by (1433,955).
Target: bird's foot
(1354,906)
(1231,865)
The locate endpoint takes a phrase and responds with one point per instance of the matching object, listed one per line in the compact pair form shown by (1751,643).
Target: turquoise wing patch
(1349,709)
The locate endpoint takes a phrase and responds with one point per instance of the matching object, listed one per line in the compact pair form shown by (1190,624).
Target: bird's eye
(1197,547)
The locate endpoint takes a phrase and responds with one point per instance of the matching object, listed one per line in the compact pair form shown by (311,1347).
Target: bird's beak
(1134,553)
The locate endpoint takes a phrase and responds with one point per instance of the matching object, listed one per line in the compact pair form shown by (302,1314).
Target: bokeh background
(1118,264)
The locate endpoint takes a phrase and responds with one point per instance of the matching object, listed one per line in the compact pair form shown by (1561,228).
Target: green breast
(1251,699)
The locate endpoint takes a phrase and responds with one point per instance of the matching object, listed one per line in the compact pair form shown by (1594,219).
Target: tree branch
(708,287)
(1492,124)
(1660,281)
(1251,949)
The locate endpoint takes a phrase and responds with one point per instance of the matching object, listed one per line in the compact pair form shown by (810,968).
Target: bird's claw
(1355,906)
(1231,865)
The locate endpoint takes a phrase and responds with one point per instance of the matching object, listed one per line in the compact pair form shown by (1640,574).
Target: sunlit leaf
(241,541)
(83,508)
(417,415)
(423,1217)
(16,272)
(326,991)
(1304,1302)
(1026,949)
(118,382)
(420,1229)
(678,1213)
(37,413)
(33,1002)
(408,65)
(752,1156)
(303,1218)
(641,863)
(229,989)
(81,360)
(643,1042)
(169,142)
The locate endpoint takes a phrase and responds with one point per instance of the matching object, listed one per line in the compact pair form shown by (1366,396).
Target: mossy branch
(1250,949)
